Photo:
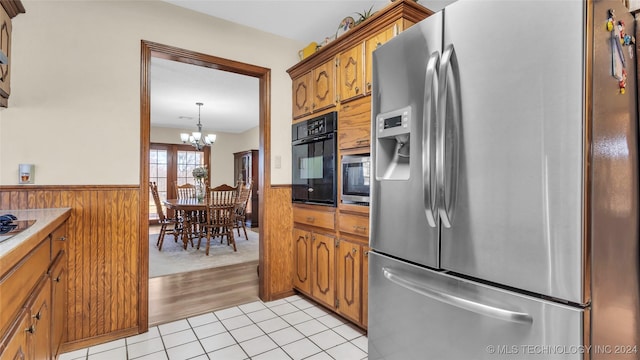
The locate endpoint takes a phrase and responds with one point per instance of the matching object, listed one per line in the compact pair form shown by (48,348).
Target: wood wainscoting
(276,258)
(103,260)
(108,263)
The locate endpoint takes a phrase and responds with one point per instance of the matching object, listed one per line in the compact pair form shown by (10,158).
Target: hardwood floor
(178,296)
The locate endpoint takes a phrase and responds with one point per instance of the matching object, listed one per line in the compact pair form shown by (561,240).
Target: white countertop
(42,217)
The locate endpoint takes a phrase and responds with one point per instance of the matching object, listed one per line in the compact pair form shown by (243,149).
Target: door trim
(151,49)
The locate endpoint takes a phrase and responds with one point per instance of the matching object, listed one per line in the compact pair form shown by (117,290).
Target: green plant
(365,15)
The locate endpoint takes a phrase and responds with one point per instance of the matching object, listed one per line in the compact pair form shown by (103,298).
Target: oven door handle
(310,140)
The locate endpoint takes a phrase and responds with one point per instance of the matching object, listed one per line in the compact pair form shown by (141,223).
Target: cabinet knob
(37,316)
(30,329)
(313,106)
(359,228)
(354,250)
(62,238)
(57,279)
(357,89)
(306,108)
(369,86)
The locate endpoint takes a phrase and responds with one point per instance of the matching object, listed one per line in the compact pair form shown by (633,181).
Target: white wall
(74,109)
(221,152)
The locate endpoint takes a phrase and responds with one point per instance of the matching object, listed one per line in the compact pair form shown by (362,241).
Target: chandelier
(196,139)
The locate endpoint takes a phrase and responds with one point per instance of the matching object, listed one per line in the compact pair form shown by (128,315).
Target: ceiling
(231,100)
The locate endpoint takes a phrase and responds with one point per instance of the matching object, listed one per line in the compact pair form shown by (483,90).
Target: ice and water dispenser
(393,148)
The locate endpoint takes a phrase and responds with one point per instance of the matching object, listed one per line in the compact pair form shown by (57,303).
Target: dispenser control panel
(394,122)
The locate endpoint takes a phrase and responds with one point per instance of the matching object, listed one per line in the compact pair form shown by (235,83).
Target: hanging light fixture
(196,139)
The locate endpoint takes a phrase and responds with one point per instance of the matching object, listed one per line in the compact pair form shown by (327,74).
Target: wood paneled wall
(103,259)
(276,260)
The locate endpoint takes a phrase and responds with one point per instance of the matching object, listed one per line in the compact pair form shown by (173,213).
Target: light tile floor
(290,328)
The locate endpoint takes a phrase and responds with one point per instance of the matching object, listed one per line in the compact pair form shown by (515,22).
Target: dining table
(190,208)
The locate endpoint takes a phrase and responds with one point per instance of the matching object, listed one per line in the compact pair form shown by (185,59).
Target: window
(171,165)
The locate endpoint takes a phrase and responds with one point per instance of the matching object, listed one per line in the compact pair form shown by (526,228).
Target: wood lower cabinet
(59,299)
(329,263)
(365,286)
(40,328)
(33,298)
(16,343)
(323,268)
(302,260)
(349,277)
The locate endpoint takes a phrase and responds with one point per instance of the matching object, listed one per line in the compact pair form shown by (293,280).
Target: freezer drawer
(416,313)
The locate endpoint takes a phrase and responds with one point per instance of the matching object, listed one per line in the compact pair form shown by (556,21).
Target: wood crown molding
(403,9)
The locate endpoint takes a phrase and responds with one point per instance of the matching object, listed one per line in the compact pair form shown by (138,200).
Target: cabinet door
(302,95)
(372,43)
(301,260)
(365,286)
(351,73)
(354,126)
(324,85)
(40,311)
(323,269)
(58,303)
(5,46)
(349,275)
(17,343)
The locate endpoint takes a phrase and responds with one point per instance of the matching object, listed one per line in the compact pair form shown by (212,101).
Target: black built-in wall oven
(314,160)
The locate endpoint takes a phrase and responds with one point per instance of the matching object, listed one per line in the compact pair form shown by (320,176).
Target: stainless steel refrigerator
(504,210)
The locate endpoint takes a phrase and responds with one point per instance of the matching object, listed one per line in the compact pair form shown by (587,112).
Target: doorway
(153,50)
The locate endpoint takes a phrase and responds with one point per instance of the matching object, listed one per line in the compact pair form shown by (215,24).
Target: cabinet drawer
(323,219)
(354,224)
(17,284)
(59,240)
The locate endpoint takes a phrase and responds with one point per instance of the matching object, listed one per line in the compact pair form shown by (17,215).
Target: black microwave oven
(356,179)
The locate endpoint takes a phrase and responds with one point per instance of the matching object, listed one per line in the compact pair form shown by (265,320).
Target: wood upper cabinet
(301,260)
(354,125)
(302,95)
(324,86)
(351,73)
(373,43)
(8,11)
(323,268)
(349,275)
(314,90)
(5,46)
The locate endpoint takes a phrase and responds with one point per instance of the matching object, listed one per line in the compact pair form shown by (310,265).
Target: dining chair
(163,220)
(193,218)
(186,191)
(240,213)
(220,217)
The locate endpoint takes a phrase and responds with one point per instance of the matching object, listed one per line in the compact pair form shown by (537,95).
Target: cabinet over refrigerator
(504,200)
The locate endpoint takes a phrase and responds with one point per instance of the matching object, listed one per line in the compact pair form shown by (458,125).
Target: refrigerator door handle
(409,282)
(448,86)
(428,121)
